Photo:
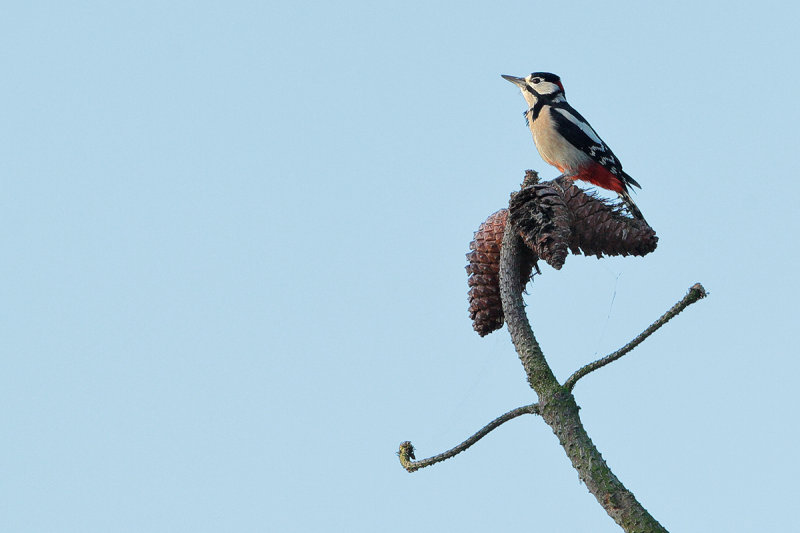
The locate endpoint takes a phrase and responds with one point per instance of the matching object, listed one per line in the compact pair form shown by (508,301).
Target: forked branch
(543,221)
(557,405)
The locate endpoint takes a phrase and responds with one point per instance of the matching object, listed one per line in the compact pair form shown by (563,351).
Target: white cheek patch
(585,128)
(547,87)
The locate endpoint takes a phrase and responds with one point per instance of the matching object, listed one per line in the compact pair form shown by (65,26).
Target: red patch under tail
(598,175)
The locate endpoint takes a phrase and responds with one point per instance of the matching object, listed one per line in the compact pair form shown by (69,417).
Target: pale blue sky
(233,275)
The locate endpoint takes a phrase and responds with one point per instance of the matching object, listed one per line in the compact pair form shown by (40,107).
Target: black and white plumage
(567,141)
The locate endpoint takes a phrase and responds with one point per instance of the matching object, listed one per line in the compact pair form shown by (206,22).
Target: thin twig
(696,292)
(406,452)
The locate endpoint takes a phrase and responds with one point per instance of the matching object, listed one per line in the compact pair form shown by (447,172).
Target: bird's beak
(519,82)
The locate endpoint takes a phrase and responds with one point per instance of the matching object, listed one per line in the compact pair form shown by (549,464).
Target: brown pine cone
(600,228)
(543,220)
(485,306)
(553,218)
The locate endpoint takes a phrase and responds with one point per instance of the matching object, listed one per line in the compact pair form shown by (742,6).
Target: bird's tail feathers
(630,181)
(631,205)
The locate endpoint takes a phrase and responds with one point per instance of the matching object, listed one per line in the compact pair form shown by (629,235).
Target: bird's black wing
(577,131)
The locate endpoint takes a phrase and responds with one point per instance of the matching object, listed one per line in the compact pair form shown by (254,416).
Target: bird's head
(538,85)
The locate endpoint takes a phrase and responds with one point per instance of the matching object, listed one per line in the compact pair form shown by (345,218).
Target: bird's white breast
(552,146)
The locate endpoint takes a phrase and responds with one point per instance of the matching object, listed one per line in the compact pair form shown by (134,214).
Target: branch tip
(406,455)
(696,292)
(406,452)
(699,291)
(531,178)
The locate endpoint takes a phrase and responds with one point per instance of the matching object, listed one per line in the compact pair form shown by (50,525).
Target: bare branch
(540,376)
(557,405)
(551,217)
(406,452)
(696,292)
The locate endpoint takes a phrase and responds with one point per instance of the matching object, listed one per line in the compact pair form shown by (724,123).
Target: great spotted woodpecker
(566,140)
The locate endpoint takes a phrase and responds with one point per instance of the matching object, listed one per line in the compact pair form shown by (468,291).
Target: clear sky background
(233,241)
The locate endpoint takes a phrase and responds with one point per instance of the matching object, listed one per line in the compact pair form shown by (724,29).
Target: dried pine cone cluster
(552,218)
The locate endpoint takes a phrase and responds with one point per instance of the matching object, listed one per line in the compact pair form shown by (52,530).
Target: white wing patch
(582,125)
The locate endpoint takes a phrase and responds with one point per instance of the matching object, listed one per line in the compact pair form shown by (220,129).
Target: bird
(565,139)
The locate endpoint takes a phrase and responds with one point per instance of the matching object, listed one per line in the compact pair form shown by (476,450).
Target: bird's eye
(536,80)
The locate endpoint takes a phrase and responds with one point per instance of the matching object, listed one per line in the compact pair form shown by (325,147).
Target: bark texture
(557,405)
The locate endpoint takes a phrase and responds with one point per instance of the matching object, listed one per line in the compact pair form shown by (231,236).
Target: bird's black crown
(546,76)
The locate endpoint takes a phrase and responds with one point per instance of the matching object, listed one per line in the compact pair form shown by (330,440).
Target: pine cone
(543,220)
(553,218)
(485,306)
(600,228)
